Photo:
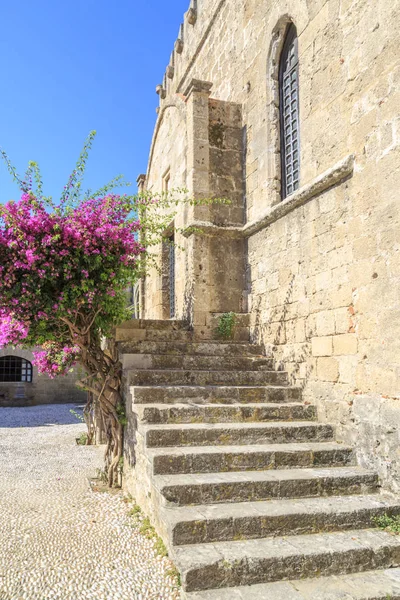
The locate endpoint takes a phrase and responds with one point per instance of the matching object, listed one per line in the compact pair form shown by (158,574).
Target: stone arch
(279,18)
(21,353)
(273,62)
(177,103)
(16,369)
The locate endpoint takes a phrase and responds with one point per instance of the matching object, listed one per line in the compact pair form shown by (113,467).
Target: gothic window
(289,113)
(14,368)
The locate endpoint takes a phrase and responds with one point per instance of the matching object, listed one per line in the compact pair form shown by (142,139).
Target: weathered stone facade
(42,389)
(318,272)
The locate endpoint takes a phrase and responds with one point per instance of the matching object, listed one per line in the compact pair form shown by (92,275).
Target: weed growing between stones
(387,523)
(82,439)
(226,325)
(140,521)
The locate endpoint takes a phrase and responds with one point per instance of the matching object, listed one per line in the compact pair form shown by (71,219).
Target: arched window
(14,368)
(289,113)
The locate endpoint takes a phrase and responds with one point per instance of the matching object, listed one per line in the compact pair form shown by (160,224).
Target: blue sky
(74,65)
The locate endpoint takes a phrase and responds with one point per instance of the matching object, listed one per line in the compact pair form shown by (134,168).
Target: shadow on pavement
(40,416)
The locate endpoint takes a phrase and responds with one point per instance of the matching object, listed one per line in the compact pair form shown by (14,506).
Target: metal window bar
(172,277)
(15,369)
(289,113)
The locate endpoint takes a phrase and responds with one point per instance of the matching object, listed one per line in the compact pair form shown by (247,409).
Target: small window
(289,113)
(166,180)
(14,368)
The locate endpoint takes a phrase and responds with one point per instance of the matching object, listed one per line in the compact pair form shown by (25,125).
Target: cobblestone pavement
(59,539)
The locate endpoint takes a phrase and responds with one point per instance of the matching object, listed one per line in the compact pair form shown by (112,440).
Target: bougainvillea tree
(65,266)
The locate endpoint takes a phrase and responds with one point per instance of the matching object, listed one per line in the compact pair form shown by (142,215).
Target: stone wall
(42,389)
(323,272)
(170,134)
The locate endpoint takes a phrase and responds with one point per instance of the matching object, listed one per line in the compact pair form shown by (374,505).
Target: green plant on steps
(226,325)
(388,523)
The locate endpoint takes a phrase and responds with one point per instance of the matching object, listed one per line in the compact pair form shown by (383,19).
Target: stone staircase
(253,497)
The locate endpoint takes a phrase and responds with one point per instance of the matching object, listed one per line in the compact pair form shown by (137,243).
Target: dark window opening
(14,368)
(172,276)
(289,113)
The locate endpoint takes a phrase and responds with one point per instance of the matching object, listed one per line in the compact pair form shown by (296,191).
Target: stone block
(348,369)
(345,344)
(323,280)
(342,320)
(327,369)
(300,334)
(325,323)
(321,346)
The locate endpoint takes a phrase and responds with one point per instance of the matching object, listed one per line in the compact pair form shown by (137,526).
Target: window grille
(172,277)
(289,113)
(14,368)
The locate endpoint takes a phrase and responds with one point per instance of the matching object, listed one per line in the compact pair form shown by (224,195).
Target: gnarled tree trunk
(105,384)
(103,380)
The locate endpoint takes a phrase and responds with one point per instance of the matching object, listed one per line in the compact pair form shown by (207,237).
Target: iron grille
(14,368)
(289,113)
(172,277)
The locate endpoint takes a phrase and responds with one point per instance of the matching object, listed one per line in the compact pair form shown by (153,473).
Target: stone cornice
(329,178)
(196,85)
(200,45)
(209,229)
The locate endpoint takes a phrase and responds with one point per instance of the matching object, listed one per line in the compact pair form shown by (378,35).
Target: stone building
(316,265)
(291,110)
(21,385)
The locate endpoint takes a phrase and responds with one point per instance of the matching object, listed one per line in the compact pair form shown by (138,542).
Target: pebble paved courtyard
(58,538)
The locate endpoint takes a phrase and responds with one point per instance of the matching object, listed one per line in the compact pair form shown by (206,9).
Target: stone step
(253,520)
(214,459)
(181,377)
(206,434)
(195,362)
(156,324)
(240,334)
(222,413)
(367,585)
(125,333)
(184,394)
(208,348)
(228,564)
(246,486)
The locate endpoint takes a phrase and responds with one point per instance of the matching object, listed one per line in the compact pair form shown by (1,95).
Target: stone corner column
(196,95)
(197,293)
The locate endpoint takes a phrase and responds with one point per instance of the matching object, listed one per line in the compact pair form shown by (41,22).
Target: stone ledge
(340,171)
(336,174)
(199,86)
(209,229)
